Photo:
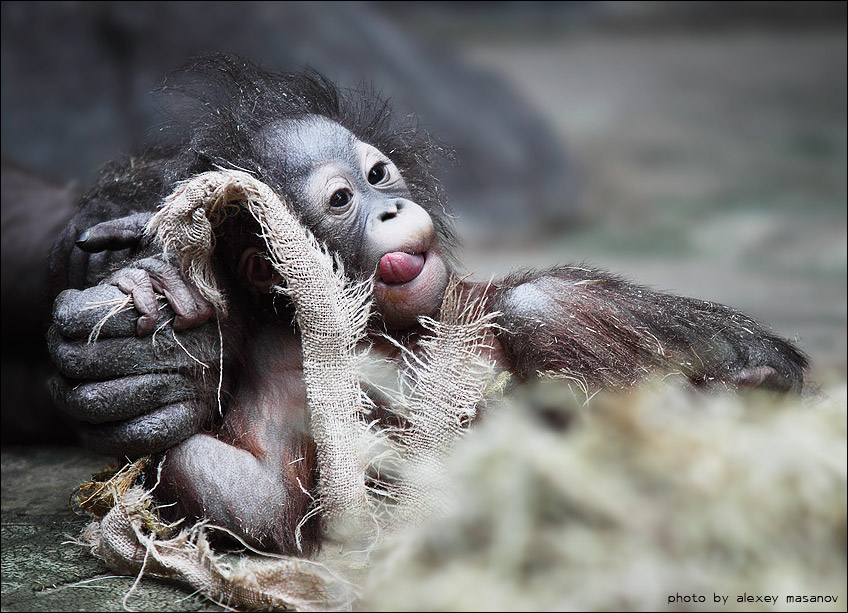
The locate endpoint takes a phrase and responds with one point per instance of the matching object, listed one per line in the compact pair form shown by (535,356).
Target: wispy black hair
(218,104)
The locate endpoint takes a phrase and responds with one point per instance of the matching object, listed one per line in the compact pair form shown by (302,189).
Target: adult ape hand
(137,354)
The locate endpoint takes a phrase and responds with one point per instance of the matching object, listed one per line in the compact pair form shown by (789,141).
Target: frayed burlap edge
(444,382)
(123,541)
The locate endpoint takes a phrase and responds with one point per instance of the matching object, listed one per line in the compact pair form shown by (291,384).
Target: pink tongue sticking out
(399,267)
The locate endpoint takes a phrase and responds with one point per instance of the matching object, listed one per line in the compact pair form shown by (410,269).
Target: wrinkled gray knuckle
(72,361)
(59,391)
(65,355)
(81,360)
(54,339)
(151,433)
(65,306)
(78,312)
(127,397)
(88,403)
(108,358)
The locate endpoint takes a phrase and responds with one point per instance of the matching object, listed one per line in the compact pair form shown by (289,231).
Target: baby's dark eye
(378,173)
(341,198)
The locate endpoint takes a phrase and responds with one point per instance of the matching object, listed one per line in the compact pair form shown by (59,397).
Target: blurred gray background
(708,141)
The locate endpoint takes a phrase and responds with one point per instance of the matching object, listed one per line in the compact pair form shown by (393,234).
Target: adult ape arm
(602,331)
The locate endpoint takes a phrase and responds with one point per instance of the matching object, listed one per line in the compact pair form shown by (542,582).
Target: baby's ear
(258,271)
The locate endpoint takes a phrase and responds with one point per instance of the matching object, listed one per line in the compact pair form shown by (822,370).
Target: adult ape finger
(121,398)
(144,394)
(114,234)
(150,433)
(106,358)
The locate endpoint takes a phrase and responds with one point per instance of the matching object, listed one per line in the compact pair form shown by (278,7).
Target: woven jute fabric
(440,387)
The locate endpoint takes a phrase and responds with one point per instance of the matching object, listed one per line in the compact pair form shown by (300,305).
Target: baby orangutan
(363,186)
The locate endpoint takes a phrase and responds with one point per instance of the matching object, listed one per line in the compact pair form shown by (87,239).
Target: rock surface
(43,570)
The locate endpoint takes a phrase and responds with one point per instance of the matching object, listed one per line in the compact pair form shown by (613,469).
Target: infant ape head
(361,184)
(355,198)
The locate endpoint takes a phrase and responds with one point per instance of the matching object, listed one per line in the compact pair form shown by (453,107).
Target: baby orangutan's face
(354,198)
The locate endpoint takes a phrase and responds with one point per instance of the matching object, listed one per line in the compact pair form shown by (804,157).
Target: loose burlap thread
(441,384)
(331,313)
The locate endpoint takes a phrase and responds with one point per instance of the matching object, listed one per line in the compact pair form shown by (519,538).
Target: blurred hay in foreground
(630,500)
